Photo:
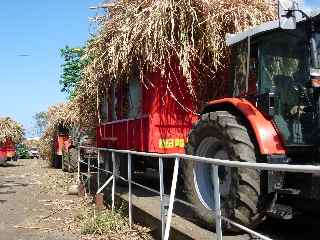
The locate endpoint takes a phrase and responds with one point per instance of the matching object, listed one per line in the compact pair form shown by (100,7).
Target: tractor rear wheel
(223,135)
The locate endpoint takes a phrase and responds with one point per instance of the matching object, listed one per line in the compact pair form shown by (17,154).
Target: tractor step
(288,191)
(281,211)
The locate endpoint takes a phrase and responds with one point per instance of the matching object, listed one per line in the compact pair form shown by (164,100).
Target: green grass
(106,221)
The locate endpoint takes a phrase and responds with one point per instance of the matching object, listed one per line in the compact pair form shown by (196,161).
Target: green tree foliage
(41,122)
(22,151)
(72,68)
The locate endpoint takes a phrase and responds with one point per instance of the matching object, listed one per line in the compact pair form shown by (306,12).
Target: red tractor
(269,113)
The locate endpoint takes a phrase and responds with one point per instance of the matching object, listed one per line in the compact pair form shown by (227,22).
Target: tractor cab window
(244,72)
(284,70)
(317,43)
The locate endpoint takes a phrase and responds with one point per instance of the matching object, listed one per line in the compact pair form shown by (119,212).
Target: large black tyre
(73,160)
(57,161)
(121,165)
(65,160)
(223,135)
(70,160)
(106,158)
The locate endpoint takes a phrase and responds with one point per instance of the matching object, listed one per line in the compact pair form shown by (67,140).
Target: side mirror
(287,13)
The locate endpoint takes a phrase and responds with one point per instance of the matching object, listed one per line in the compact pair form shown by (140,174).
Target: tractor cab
(278,70)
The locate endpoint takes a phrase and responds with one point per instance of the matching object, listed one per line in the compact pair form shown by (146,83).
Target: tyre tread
(243,147)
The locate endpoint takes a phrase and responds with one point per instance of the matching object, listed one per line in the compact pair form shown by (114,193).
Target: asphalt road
(22,204)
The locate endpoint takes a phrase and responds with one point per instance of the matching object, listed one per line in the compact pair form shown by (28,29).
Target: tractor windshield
(284,69)
(317,45)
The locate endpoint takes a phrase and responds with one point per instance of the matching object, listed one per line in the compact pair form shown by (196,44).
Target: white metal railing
(166,223)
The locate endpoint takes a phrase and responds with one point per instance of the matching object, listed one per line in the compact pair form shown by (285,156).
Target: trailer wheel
(223,135)
(106,157)
(65,161)
(57,161)
(73,160)
(120,165)
(70,160)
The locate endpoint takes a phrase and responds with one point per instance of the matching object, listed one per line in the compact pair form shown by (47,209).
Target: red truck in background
(62,144)
(7,151)
(65,152)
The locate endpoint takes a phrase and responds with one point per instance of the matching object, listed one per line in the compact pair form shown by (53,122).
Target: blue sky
(311,4)
(39,28)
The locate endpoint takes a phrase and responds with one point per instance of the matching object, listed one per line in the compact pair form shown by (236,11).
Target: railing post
(107,164)
(98,169)
(172,195)
(89,173)
(217,202)
(114,178)
(79,160)
(162,212)
(130,189)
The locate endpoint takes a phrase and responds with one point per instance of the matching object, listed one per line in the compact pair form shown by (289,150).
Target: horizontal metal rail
(183,157)
(125,120)
(123,179)
(226,163)
(137,184)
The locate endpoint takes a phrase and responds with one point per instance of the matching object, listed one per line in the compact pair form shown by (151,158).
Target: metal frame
(166,222)
(232,39)
(162,212)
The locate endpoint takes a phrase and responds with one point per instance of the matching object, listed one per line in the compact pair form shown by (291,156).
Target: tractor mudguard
(264,130)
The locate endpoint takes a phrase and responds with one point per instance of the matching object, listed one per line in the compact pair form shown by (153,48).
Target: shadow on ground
(12,165)
(8,186)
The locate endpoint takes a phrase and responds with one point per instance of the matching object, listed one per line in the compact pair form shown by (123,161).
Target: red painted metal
(163,125)
(167,116)
(7,149)
(3,154)
(62,142)
(264,130)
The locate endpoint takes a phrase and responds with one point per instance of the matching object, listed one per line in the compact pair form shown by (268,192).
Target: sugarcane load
(11,133)
(232,80)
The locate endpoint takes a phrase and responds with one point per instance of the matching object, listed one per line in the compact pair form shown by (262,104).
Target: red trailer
(7,151)
(65,153)
(153,115)
(61,145)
